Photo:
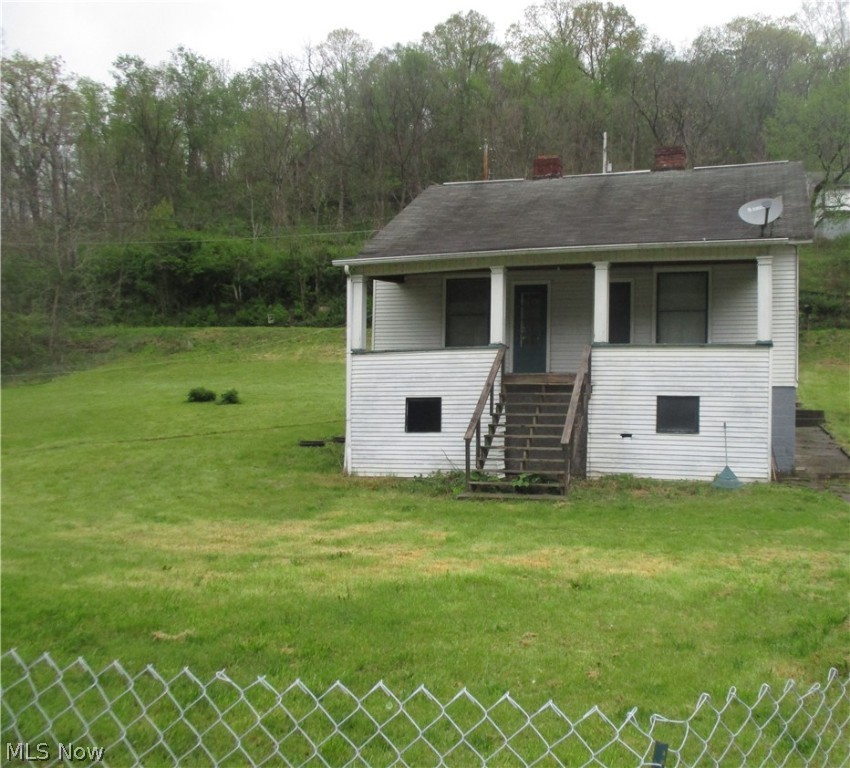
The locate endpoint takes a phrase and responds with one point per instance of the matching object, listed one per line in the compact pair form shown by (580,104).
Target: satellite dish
(761,212)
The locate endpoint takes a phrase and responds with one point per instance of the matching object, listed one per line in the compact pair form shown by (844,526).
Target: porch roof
(617,210)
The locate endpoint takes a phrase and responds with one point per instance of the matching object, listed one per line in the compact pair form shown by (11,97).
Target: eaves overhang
(492,255)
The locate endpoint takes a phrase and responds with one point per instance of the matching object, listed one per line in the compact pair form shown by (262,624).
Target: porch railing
(574,437)
(488,392)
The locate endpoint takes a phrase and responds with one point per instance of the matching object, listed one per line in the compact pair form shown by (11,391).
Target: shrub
(231,397)
(201,395)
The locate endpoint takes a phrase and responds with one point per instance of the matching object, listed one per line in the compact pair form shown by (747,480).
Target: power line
(229,239)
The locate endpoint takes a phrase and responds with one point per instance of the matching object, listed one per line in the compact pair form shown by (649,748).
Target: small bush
(231,397)
(201,395)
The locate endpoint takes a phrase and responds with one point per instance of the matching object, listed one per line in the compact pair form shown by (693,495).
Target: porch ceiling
(395,270)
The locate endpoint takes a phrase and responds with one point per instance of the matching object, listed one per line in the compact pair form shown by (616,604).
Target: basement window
(677,415)
(423,414)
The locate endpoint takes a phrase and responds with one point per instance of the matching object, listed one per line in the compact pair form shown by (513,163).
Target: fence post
(659,755)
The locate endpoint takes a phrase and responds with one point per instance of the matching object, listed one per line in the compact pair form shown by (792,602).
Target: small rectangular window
(423,414)
(677,415)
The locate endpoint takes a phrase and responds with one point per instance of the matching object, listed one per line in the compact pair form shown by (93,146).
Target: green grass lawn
(825,378)
(140,527)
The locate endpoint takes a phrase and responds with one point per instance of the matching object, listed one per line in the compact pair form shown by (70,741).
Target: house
(833,209)
(598,324)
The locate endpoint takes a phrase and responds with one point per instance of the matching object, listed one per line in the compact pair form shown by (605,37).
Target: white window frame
(682,268)
(458,276)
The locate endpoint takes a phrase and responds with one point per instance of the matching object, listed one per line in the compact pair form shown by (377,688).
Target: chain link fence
(55,715)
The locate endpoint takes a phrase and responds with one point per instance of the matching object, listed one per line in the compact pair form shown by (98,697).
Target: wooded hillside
(183,193)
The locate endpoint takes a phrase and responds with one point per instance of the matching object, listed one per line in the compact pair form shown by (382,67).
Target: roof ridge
(740,165)
(476,181)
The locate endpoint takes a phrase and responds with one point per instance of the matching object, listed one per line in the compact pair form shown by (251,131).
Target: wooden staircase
(533,408)
(535,411)
(535,442)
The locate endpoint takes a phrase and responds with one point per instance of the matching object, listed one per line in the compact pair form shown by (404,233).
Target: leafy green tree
(399,105)
(39,215)
(465,58)
(344,57)
(751,61)
(812,118)
(146,136)
(206,110)
(815,128)
(274,143)
(590,31)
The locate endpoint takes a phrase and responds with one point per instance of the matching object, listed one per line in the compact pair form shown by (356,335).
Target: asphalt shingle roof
(596,210)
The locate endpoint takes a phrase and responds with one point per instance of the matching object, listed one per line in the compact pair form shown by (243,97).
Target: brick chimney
(547,167)
(669,159)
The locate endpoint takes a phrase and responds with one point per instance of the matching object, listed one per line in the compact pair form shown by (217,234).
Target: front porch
(694,333)
(661,412)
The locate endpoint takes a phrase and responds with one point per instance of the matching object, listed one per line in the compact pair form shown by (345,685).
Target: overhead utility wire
(236,238)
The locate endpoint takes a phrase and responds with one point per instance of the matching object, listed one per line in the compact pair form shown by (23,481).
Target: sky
(89,36)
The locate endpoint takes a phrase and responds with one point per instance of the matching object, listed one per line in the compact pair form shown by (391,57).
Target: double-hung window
(467,312)
(681,308)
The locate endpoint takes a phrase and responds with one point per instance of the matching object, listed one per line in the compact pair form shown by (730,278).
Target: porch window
(682,307)
(423,414)
(468,312)
(677,415)
(619,312)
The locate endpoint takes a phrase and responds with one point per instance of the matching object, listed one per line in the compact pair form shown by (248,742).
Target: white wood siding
(380,384)
(733,384)
(733,306)
(785,320)
(571,318)
(408,315)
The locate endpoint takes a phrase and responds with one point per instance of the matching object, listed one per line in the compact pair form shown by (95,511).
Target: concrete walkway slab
(821,461)
(819,456)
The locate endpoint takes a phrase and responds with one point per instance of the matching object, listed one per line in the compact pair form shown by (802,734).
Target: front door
(531,328)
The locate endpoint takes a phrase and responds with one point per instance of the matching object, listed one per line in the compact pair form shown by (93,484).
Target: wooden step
(521,412)
(522,430)
(540,455)
(535,409)
(809,418)
(539,378)
(515,487)
(481,496)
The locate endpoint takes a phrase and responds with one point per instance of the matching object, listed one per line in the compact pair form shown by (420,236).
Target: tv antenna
(761,212)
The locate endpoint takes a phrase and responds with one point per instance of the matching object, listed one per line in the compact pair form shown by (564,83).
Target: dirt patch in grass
(818,563)
(318,555)
(591,561)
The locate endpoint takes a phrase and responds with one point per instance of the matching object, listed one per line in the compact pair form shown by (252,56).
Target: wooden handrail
(485,393)
(575,399)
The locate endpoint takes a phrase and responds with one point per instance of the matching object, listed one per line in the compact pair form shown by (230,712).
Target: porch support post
(765,299)
(356,307)
(355,339)
(600,302)
(498,304)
